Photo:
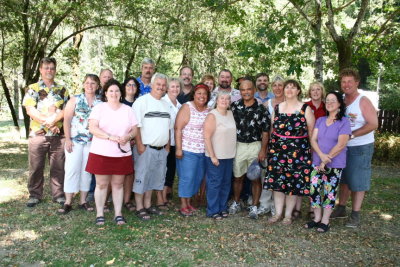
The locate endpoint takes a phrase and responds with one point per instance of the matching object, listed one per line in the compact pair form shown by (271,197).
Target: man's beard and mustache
(224,85)
(262,87)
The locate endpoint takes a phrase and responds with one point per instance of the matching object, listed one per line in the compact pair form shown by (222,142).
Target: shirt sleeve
(95,114)
(265,121)
(318,123)
(30,98)
(345,127)
(138,112)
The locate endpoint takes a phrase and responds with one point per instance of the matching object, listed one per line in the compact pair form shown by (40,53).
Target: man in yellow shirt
(44,102)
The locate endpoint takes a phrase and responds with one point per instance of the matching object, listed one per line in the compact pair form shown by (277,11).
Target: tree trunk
(77,83)
(319,52)
(9,101)
(345,54)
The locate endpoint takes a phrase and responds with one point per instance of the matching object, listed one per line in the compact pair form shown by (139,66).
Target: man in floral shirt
(252,133)
(44,102)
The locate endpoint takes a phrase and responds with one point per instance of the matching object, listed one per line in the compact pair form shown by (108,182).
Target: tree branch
(330,24)
(293,2)
(360,18)
(384,26)
(344,6)
(88,28)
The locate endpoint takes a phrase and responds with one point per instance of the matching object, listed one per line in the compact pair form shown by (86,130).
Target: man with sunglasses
(152,145)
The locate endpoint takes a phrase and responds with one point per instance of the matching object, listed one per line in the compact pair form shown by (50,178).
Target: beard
(262,87)
(224,85)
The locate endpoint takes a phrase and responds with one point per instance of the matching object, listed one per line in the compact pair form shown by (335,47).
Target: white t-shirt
(173,110)
(154,120)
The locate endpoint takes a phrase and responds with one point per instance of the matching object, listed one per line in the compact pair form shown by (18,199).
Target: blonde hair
(320,85)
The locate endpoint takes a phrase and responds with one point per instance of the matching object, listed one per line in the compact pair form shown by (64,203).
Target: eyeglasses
(131,85)
(330,101)
(123,151)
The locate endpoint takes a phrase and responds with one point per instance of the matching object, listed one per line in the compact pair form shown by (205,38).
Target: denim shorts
(357,174)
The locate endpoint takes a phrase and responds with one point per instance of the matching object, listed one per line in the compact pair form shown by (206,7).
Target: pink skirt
(103,165)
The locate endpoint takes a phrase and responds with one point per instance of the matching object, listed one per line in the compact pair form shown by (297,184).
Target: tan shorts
(245,154)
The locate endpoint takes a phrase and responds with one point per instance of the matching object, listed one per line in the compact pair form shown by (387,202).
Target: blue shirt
(144,89)
(270,95)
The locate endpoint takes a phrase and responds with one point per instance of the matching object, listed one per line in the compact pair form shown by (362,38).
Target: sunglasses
(123,151)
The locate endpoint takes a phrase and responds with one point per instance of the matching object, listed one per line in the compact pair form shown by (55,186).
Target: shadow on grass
(40,236)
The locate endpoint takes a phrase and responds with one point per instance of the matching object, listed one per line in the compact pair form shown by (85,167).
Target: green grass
(41,237)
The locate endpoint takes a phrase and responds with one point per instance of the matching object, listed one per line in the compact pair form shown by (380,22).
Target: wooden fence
(389,121)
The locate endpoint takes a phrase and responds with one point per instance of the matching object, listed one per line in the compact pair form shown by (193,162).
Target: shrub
(387,149)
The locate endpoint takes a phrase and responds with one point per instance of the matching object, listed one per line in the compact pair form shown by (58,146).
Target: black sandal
(323,227)
(129,206)
(311,224)
(100,220)
(120,220)
(217,217)
(65,209)
(154,211)
(143,215)
(85,206)
(224,214)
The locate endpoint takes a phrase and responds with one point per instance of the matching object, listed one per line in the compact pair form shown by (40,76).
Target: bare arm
(99,133)
(264,144)
(129,136)
(341,144)
(209,129)
(310,121)
(35,114)
(182,119)
(370,116)
(139,144)
(325,158)
(68,115)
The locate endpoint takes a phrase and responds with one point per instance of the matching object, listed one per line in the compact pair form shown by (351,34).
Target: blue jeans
(191,171)
(218,185)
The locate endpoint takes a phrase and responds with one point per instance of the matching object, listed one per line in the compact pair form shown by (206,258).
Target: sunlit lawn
(41,237)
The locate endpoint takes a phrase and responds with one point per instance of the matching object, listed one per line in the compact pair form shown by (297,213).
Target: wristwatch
(352,136)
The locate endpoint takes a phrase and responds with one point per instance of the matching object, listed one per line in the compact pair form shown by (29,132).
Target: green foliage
(387,149)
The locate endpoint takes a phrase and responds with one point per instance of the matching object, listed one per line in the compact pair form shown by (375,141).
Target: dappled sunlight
(11,190)
(19,235)
(386,217)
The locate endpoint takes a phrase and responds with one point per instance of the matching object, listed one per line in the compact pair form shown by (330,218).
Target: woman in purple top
(329,140)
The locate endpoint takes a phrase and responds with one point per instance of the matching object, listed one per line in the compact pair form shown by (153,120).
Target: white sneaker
(262,210)
(234,208)
(253,212)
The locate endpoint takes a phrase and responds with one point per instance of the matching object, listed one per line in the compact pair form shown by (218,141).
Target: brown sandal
(287,221)
(65,209)
(274,219)
(85,206)
(129,206)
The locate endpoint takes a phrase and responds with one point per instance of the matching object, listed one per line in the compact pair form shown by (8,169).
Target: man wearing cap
(152,145)
(252,134)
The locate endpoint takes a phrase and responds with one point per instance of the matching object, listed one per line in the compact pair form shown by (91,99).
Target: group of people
(136,136)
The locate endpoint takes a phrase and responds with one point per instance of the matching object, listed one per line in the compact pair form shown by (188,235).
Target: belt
(156,147)
(289,136)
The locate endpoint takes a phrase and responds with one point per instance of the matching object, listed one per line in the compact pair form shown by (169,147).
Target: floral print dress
(289,154)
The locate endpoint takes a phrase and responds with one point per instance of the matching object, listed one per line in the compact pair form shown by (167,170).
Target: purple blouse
(328,137)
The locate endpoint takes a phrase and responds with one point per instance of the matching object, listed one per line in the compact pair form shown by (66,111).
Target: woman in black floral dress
(289,155)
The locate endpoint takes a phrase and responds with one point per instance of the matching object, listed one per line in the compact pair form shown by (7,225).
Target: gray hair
(179,81)
(277,78)
(221,93)
(148,60)
(159,76)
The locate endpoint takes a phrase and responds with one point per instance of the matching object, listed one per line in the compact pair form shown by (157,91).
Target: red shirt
(318,112)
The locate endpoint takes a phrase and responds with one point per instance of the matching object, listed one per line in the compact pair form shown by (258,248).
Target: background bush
(387,149)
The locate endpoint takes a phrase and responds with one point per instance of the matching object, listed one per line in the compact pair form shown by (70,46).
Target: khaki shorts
(245,154)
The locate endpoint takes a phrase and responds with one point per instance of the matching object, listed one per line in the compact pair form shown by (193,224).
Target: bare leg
(290,204)
(318,214)
(326,215)
(299,200)
(117,184)
(344,194)
(237,187)
(128,184)
(100,193)
(279,201)
(357,200)
(139,201)
(147,199)
(256,191)
(83,196)
(68,198)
